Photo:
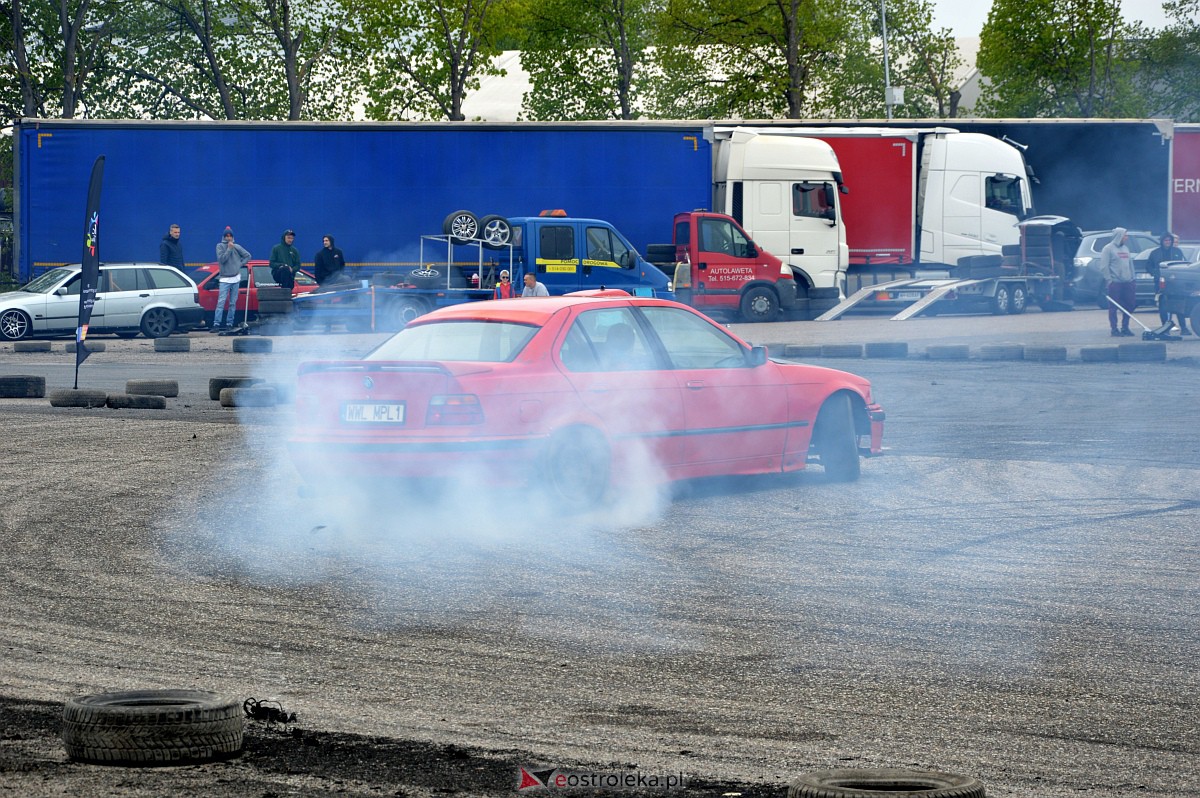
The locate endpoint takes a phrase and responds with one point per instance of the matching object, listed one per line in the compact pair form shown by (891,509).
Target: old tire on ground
(886,349)
(152,727)
(1001,301)
(802,351)
(158,323)
(948,352)
(252,396)
(495,231)
(842,350)
(1002,352)
(836,441)
(14,324)
(173,344)
(32,346)
(1098,354)
(20,386)
(401,310)
(1142,352)
(575,468)
(759,304)
(274,306)
(92,346)
(1046,354)
(273,293)
(77,397)
(121,401)
(252,345)
(885,783)
(152,387)
(461,226)
(1018,300)
(217,384)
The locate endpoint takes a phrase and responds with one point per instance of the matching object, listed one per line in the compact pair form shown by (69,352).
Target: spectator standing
(328,263)
(1116,266)
(170,250)
(231,259)
(504,289)
(1165,251)
(533,287)
(285,260)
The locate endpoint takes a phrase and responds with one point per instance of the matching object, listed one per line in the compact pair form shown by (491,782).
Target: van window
(557,243)
(605,248)
(720,235)
(811,200)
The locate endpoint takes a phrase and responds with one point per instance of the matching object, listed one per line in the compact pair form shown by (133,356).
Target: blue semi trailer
(377,188)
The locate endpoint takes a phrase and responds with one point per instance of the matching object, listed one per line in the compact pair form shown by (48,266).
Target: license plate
(907,294)
(373,412)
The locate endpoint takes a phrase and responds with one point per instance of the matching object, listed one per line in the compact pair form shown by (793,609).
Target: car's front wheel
(158,323)
(575,469)
(836,441)
(14,324)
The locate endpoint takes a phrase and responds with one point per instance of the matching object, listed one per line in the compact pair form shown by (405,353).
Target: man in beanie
(285,260)
(231,258)
(328,263)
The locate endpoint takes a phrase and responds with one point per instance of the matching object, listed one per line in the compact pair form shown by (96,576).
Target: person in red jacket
(504,288)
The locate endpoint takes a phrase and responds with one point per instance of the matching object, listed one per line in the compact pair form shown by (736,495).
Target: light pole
(887,75)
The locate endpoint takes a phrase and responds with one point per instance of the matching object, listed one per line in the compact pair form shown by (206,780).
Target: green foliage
(1170,64)
(1059,59)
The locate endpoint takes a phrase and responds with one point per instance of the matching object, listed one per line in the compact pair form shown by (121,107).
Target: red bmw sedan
(576,395)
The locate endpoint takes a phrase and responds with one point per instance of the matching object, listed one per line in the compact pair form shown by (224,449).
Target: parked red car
(571,394)
(206,281)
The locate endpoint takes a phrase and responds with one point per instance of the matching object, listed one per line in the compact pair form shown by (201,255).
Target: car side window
(166,278)
(694,343)
(73,284)
(609,339)
(263,276)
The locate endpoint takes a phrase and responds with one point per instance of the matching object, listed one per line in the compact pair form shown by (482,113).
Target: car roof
(528,310)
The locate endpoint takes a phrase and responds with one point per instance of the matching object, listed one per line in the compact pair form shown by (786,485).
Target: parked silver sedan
(150,298)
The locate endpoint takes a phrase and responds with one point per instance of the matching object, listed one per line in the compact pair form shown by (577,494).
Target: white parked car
(150,298)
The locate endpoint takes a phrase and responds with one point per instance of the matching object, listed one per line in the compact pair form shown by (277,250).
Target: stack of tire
(274,310)
(464,227)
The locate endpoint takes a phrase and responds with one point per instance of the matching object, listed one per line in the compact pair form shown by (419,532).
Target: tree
(585,58)
(1170,64)
(923,61)
(425,55)
(1069,58)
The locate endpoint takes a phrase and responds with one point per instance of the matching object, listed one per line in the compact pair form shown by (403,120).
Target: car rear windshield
(472,341)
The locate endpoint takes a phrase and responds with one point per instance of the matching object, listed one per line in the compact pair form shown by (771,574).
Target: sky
(966,17)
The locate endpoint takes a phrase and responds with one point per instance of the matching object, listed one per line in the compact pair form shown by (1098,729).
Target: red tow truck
(717,268)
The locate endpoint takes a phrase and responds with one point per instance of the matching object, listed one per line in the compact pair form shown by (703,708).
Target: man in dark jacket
(328,263)
(170,251)
(1165,252)
(285,260)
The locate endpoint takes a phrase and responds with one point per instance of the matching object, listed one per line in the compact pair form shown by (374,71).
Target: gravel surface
(1009,594)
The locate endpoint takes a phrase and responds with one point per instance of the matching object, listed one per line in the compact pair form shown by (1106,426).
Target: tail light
(461,408)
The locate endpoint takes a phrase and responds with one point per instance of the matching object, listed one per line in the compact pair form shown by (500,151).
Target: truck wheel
(836,441)
(1001,301)
(885,783)
(574,468)
(14,324)
(461,226)
(495,231)
(760,304)
(1018,300)
(401,310)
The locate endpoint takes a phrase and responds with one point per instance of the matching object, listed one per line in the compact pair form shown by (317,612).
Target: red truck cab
(720,268)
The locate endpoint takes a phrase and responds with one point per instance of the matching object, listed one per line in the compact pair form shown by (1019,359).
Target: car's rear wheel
(1194,319)
(575,468)
(14,324)
(836,441)
(158,323)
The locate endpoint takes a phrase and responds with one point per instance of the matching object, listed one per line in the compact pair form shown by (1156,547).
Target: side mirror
(60,291)
(758,356)
(628,260)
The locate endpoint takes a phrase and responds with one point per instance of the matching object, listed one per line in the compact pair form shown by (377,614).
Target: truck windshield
(46,282)
(470,341)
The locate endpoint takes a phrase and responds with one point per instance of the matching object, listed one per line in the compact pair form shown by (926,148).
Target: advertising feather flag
(90,275)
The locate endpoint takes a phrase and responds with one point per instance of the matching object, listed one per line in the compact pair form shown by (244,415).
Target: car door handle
(143,296)
(797,250)
(695,385)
